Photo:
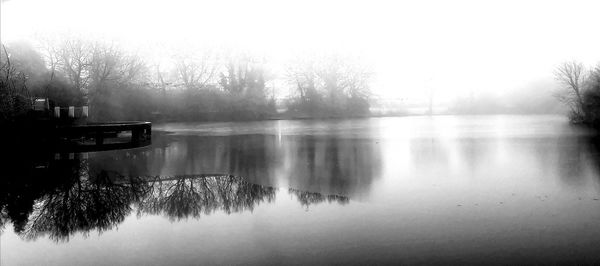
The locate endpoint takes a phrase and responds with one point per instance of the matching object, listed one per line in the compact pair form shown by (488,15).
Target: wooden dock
(68,129)
(105,135)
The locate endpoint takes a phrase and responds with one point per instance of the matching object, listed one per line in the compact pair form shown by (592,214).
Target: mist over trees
(197,84)
(206,84)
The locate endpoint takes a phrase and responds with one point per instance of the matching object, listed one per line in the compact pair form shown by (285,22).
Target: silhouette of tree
(591,97)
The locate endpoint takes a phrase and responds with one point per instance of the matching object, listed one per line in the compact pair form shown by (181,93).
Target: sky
(454,48)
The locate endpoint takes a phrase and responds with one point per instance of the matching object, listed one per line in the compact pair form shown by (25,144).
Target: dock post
(71,111)
(148,132)
(99,138)
(57,112)
(84,111)
(135,136)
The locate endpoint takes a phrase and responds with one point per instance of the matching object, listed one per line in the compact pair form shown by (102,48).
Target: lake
(413,190)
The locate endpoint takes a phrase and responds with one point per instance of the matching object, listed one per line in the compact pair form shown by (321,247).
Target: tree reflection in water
(307,198)
(184,196)
(81,203)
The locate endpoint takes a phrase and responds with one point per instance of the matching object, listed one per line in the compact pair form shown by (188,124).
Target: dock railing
(71,112)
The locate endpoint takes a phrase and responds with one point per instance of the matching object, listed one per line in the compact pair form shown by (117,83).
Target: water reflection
(466,186)
(64,198)
(324,164)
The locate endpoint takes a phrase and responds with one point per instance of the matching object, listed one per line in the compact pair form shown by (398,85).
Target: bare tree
(303,78)
(159,80)
(14,93)
(195,70)
(574,77)
(106,60)
(110,63)
(75,58)
(50,54)
(133,69)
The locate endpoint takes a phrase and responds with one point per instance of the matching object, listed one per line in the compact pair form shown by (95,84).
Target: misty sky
(452,47)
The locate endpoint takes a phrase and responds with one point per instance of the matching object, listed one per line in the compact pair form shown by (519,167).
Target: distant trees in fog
(329,86)
(581,91)
(192,84)
(205,85)
(195,70)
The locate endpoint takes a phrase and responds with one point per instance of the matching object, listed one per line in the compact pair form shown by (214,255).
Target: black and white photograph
(299,132)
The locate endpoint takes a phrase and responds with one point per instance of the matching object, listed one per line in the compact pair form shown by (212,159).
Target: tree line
(187,85)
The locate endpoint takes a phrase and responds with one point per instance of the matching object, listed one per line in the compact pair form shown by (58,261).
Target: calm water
(415,190)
